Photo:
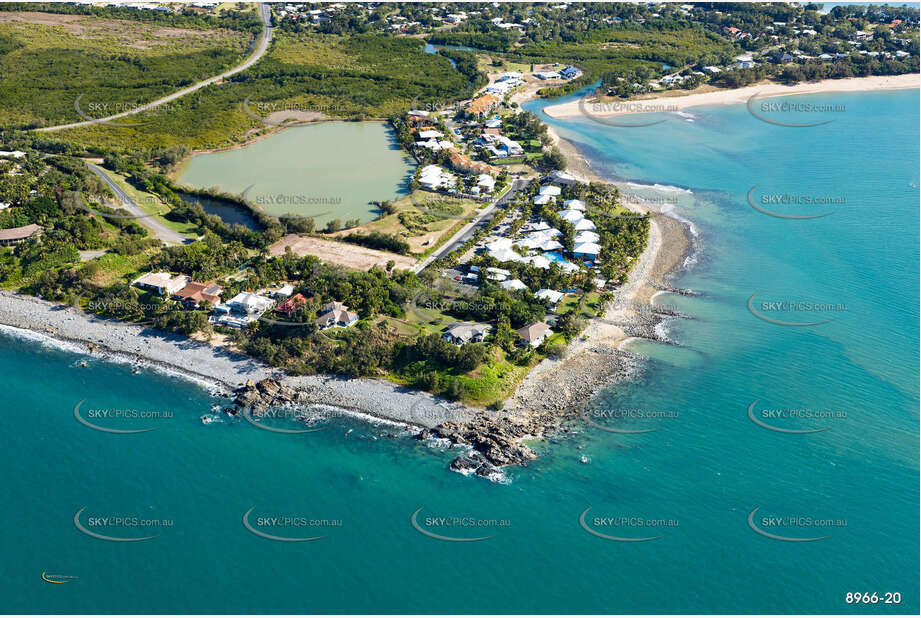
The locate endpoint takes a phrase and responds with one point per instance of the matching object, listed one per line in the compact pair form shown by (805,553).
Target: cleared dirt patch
(123,32)
(295,116)
(346,254)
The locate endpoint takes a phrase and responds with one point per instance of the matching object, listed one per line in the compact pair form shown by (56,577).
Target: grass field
(115,267)
(417,226)
(153,205)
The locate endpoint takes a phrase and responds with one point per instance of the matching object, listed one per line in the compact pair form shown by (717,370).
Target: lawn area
(417,226)
(588,305)
(528,157)
(151,204)
(402,328)
(114,267)
(492,382)
(485,64)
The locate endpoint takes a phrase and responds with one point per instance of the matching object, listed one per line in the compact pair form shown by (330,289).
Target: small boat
(207,419)
(584,459)
(82,364)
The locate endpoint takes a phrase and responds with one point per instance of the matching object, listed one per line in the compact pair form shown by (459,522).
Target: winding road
(260,50)
(157,228)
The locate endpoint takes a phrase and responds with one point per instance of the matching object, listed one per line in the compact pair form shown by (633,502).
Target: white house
(551,245)
(460,333)
(486,183)
(573,216)
(240,310)
(513,285)
(584,224)
(433,177)
(586,236)
(510,146)
(284,291)
(497,274)
(574,204)
(587,250)
(249,304)
(551,190)
(537,261)
(564,178)
(338,316)
(161,283)
(551,296)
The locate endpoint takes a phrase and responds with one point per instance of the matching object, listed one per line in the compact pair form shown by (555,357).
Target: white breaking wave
(212,386)
(658,187)
(669,210)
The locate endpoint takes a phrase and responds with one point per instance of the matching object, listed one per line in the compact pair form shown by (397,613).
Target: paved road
(481,220)
(260,50)
(157,228)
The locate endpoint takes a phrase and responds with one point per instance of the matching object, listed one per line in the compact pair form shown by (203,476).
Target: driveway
(157,228)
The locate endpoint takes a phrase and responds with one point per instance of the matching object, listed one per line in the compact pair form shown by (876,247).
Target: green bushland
(108,67)
(378,240)
(359,76)
(608,53)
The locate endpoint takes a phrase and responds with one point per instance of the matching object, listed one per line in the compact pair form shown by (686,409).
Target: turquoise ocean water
(703,471)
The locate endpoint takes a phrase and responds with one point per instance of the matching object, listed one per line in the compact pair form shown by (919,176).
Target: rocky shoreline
(552,393)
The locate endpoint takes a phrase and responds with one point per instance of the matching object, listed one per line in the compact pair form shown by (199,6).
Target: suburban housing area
(495,255)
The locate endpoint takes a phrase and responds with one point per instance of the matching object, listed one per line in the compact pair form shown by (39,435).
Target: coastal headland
(552,391)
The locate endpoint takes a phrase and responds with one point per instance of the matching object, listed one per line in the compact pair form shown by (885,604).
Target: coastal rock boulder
(260,396)
(497,441)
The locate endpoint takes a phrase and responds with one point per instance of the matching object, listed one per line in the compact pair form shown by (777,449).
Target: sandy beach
(596,359)
(677,101)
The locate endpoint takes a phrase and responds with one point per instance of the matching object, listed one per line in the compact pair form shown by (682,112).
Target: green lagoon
(327,170)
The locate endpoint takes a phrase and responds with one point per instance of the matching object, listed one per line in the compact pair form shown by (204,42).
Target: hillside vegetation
(53,63)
